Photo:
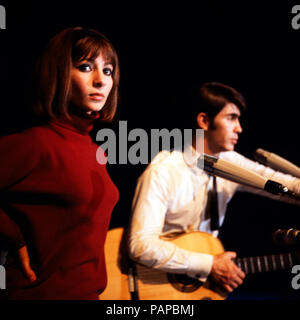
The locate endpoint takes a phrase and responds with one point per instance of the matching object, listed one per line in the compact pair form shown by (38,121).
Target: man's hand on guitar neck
(225,272)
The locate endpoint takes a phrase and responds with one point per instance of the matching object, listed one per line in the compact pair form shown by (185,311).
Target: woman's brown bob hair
(53,71)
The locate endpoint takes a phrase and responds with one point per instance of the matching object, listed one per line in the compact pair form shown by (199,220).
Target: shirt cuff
(200,265)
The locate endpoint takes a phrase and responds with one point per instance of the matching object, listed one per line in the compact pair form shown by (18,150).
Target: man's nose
(238,127)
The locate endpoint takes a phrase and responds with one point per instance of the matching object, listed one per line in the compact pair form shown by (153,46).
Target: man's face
(223,132)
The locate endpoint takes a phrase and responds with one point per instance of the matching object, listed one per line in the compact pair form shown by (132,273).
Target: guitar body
(117,278)
(154,284)
(158,285)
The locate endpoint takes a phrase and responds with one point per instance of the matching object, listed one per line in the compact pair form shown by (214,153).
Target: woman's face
(92,81)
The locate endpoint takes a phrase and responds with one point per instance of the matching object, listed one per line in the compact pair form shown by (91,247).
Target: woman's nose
(99,79)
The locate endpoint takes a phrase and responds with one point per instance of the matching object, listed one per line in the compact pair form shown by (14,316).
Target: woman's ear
(203,121)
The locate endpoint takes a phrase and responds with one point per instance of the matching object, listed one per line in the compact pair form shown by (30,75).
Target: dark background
(164,48)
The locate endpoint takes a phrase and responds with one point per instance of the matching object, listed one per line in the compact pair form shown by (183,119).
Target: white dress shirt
(171,195)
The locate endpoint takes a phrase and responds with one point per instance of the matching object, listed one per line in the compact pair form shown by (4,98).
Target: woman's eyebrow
(108,63)
(92,60)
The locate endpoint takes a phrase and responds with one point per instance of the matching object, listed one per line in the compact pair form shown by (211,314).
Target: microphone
(287,236)
(227,170)
(276,162)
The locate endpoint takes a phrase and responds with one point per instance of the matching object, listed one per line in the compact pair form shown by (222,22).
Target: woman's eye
(85,67)
(107,71)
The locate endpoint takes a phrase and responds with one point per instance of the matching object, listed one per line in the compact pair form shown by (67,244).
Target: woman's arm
(19,155)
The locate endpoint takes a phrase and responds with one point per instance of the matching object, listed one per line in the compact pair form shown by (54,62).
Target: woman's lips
(97,96)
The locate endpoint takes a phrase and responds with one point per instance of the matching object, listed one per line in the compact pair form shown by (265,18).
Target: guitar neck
(266,263)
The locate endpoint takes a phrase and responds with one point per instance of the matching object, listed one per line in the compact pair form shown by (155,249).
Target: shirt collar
(191,157)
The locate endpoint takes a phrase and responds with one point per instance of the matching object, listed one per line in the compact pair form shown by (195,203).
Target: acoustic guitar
(128,280)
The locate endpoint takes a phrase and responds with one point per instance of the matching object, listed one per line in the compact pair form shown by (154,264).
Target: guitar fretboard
(266,263)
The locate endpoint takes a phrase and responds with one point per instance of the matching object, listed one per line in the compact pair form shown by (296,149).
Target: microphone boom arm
(230,171)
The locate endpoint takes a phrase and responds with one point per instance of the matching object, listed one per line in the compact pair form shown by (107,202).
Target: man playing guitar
(172,193)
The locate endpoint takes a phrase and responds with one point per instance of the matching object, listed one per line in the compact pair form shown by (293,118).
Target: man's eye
(232,117)
(107,71)
(85,67)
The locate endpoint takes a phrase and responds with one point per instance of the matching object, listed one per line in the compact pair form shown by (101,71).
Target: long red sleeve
(57,200)
(18,156)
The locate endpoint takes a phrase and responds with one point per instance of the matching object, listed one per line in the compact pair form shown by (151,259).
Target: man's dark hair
(212,97)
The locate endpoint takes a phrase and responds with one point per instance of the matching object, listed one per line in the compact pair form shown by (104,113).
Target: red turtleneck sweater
(56,199)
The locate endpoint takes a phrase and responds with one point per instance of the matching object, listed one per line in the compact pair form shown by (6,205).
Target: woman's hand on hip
(25,262)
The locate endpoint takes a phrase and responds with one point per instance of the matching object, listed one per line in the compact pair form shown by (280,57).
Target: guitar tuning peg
(287,236)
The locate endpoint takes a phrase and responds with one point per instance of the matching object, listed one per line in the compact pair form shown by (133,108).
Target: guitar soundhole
(184,283)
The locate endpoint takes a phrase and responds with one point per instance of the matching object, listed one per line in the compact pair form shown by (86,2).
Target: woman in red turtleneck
(55,198)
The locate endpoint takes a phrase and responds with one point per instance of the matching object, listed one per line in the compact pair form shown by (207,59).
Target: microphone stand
(209,164)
